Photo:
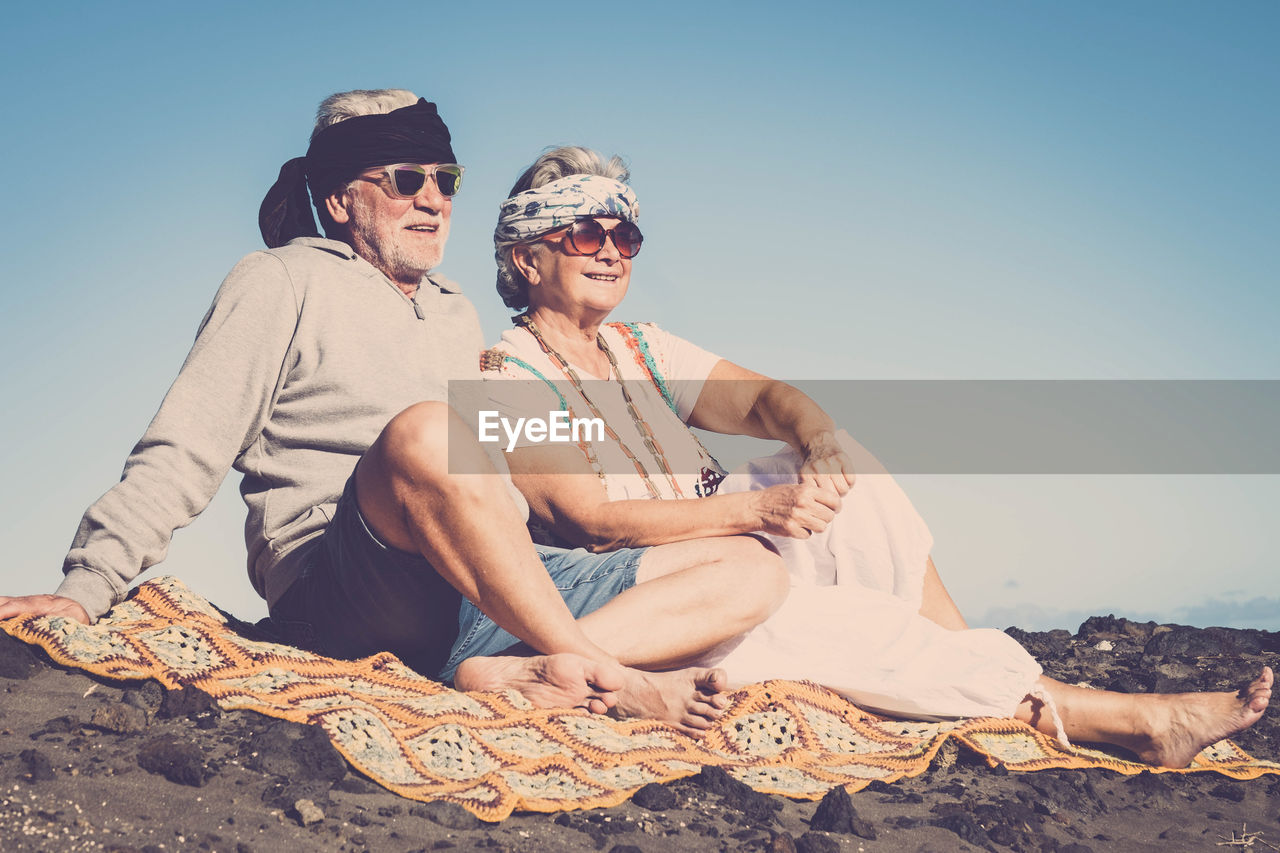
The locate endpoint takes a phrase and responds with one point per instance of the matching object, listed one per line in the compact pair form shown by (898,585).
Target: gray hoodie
(306,354)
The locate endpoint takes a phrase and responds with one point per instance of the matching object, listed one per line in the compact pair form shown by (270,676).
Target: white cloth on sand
(851,621)
(879,652)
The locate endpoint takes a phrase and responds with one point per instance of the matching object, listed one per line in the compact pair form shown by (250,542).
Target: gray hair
(344,105)
(360,102)
(554,164)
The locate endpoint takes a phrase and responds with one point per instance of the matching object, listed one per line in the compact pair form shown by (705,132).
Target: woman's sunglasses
(405,180)
(587,236)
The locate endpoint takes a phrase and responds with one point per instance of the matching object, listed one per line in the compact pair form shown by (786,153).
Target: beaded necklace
(646,432)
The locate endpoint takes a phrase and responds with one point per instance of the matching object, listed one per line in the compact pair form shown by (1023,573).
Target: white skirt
(851,621)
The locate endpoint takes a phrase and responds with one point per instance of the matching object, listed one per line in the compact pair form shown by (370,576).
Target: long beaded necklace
(646,432)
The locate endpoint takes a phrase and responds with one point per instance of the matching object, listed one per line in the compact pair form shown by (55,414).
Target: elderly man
(320,373)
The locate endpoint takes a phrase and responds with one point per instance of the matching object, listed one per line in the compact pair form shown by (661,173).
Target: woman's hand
(826,465)
(796,510)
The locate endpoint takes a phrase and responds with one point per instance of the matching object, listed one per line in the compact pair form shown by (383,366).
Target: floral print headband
(560,203)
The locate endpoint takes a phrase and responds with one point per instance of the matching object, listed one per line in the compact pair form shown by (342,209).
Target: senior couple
(378,522)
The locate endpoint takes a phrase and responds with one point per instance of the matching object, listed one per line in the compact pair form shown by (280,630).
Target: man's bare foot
(548,681)
(691,699)
(1185,723)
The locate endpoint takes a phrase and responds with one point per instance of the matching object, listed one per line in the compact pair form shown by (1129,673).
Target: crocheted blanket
(495,753)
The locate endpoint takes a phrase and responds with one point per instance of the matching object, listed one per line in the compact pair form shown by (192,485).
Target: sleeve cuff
(88,589)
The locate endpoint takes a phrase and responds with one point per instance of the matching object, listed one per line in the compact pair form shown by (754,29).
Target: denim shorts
(586,582)
(357,596)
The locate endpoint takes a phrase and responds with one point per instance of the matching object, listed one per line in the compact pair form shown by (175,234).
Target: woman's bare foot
(691,699)
(548,681)
(1182,724)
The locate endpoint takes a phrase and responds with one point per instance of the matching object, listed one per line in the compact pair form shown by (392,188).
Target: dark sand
(93,765)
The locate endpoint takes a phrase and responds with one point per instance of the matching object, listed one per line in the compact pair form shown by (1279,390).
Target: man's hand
(827,466)
(42,605)
(798,510)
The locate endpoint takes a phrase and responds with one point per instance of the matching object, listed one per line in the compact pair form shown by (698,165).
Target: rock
(282,795)
(1066,792)
(37,764)
(1130,683)
(1005,819)
(654,797)
(1149,786)
(1232,792)
(296,752)
(193,704)
(119,718)
(625,848)
(1043,645)
(737,795)
(59,725)
(149,697)
(1114,628)
(816,842)
(448,815)
(17,660)
(179,762)
(967,828)
(307,812)
(1199,642)
(357,785)
(836,814)
(781,843)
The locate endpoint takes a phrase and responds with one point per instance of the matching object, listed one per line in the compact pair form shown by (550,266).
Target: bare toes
(706,711)
(712,681)
(697,725)
(1257,696)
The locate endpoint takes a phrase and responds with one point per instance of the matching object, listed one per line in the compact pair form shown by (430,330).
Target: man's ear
(522,257)
(338,205)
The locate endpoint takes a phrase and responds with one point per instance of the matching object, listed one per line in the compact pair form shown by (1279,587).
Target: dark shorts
(357,596)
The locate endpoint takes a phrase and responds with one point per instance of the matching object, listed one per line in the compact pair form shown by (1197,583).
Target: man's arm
(212,413)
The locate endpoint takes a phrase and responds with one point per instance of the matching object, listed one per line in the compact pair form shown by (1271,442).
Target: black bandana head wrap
(340,152)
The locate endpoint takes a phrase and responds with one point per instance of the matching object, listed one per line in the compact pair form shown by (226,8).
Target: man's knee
(415,443)
(759,576)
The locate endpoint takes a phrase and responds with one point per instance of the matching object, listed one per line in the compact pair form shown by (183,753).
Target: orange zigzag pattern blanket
(495,753)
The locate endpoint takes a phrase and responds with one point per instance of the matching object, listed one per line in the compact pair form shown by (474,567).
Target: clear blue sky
(937,190)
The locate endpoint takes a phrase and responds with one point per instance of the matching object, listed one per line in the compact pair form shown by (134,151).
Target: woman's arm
(562,490)
(737,401)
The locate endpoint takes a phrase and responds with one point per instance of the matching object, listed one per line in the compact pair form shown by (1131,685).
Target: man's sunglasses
(405,180)
(587,236)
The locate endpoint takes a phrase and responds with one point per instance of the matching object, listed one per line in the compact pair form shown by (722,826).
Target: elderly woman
(867,614)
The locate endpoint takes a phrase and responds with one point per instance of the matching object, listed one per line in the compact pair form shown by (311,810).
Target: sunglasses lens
(449,179)
(627,237)
(407,181)
(586,236)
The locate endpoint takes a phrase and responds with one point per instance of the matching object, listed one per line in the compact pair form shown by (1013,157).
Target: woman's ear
(338,205)
(522,257)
